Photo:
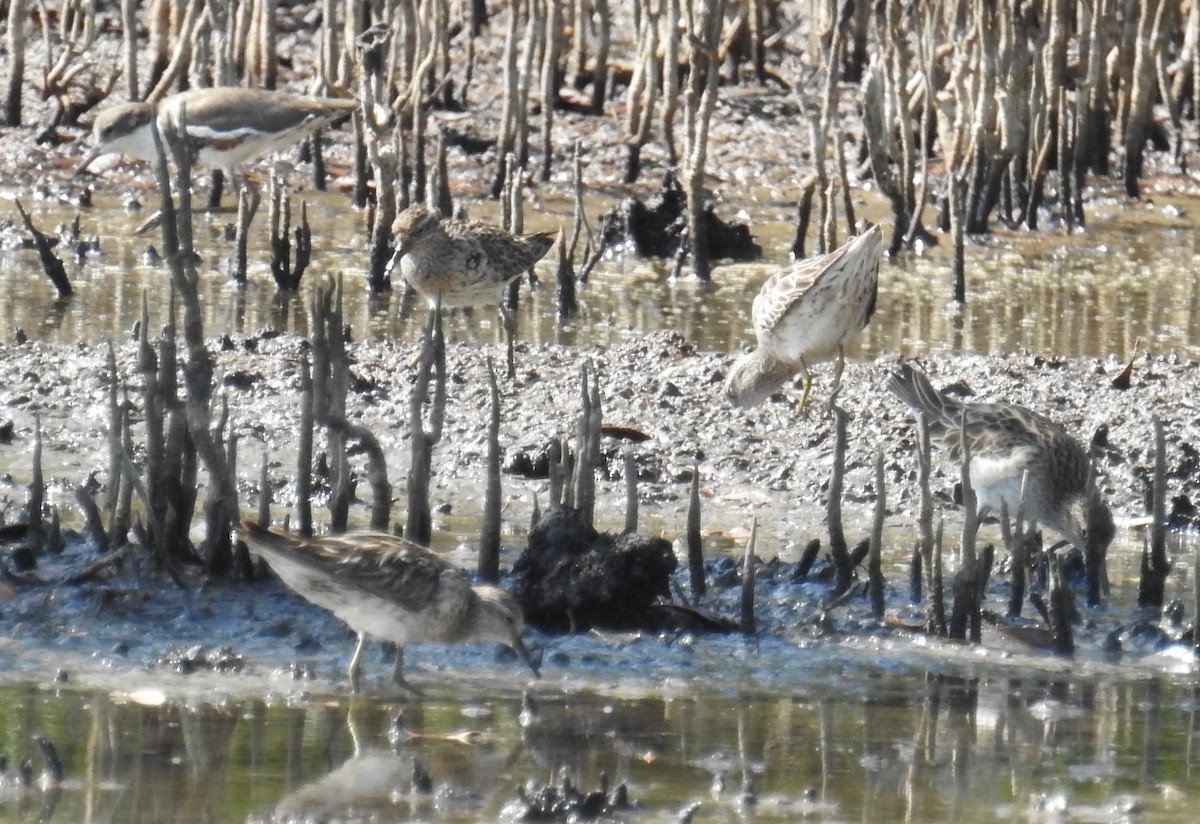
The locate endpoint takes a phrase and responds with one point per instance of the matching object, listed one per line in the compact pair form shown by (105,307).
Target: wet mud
(766,463)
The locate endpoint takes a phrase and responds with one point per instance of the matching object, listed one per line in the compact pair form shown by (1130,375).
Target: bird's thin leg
(808,381)
(398,672)
(839,366)
(356,663)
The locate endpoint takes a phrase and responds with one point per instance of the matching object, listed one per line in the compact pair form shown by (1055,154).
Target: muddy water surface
(916,746)
(856,724)
(1129,277)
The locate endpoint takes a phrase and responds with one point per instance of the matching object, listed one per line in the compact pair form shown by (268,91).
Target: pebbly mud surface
(767,460)
(765,463)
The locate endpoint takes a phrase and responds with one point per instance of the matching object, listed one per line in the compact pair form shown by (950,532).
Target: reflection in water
(846,746)
(1093,294)
(948,747)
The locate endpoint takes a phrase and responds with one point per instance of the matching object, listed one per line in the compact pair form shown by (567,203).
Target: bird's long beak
(400,252)
(519,647)
(87,161)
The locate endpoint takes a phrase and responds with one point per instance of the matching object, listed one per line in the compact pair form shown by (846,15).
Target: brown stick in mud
(92,517)
(489,531)
(1155,565)
(440,196)
(332,390)
(631,491)
(670,77)
(51,265)
(120,489)
(587,444)
(1020,544)
(556,474)
(1062,606)
(970,501)
(1099,531)
(176,227)
(506,139)
(700,100)
(808,188)
(603,41)
(170,460)
(916,572)
(553,26)
(286,271)
(925,539)
(838,549)
(304,450)
(37,492)
(695,546)
(264,489)
(425,434)
(1142,91)
(568,306)
(17,12)
(642,95)
(384,168)
(937,600)
(874,558)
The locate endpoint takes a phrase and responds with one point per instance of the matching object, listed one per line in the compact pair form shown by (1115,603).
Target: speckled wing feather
(377,564)
(992,428)
(781,292)
(785,289)
(509,255)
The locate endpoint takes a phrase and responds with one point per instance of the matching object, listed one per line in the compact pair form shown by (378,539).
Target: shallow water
(866,727)
(1130,276)
(919,746)
(830,723)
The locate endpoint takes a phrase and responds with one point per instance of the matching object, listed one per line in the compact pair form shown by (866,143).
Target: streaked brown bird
(456,263)
(390,589)
(806,314)
(1007,443)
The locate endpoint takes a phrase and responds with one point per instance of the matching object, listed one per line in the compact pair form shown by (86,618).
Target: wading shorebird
(806,314)
(227,126)
(457,263)
(1007,443)
(390,589)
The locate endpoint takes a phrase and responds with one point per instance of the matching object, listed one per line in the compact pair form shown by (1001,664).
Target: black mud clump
(657,227)
(569,803)
(573,578)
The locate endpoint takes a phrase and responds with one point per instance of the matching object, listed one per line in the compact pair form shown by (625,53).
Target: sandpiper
(463,262)
(806,314)
(390,589)
(1007,443)
(226,126)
